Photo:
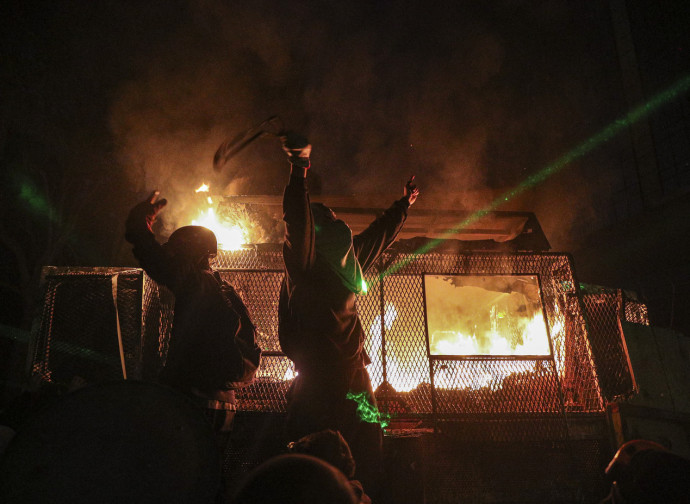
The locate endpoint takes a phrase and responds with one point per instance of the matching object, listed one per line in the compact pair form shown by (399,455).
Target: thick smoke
(472,97)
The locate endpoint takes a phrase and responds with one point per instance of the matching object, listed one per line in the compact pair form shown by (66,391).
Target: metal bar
(552,360)
(588,346)
(492,358)
(254,270)
(382,309)
(434,399)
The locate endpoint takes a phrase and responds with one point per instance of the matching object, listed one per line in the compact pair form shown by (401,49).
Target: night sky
(104,101)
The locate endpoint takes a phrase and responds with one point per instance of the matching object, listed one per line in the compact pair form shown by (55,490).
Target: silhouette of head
(197,243)
(328,445)
(334,247)
(295,479)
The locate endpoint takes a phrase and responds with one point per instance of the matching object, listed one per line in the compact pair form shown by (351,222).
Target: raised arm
(375,239)
(152,256)
(298,248)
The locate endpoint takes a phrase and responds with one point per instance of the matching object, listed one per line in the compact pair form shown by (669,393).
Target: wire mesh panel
(369,309)
(127,289)
(634,311)
(267,392)
(90,325)
(604,309)
(504,423)
(580,388)
(157,319)
(392,313)
(573,367)
(259,290)
(393,316)
(266,256)
(472,386)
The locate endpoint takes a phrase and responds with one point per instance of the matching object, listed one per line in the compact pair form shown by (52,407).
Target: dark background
(103,101)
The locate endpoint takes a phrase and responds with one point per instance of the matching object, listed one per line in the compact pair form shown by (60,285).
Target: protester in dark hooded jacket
(212,349)
(319,328)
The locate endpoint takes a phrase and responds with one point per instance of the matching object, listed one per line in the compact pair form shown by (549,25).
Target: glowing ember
(203,188)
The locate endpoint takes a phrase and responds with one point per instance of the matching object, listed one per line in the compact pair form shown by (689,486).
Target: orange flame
(404,377)
(534,341)
(230,235)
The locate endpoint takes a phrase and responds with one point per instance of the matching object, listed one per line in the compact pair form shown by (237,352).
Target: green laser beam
(36,202)
(368,412)
(606,134)
(14,333)
(23,336)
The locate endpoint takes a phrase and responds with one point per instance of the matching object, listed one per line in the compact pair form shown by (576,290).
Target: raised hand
(156,206)
(144,214)
(297,148)
(411,192)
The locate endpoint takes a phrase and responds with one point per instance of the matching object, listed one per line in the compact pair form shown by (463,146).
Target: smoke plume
(468,96)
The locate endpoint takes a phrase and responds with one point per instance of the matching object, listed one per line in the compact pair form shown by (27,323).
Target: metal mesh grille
(572,363)
(604,309)
(259,289)
(635,312)
(157,307)
(393,316)
(267,392)
(78,332)
(511,416)
(580,388)
(128,287)
(496,386)
(259,257)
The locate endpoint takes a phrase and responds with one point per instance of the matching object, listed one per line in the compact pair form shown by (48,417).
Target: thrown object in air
(272,126)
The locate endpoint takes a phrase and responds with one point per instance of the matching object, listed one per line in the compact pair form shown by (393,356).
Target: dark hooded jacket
(212,348)
(318,324)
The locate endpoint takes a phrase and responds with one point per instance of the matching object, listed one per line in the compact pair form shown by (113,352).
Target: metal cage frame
(563,383)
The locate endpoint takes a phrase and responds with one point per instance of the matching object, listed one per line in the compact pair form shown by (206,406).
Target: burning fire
(490,374)
(467,316)
(230,233)
(534,341)
(404,378)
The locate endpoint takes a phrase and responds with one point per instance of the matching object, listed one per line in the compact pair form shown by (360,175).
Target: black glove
(297,149)
(141,218)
